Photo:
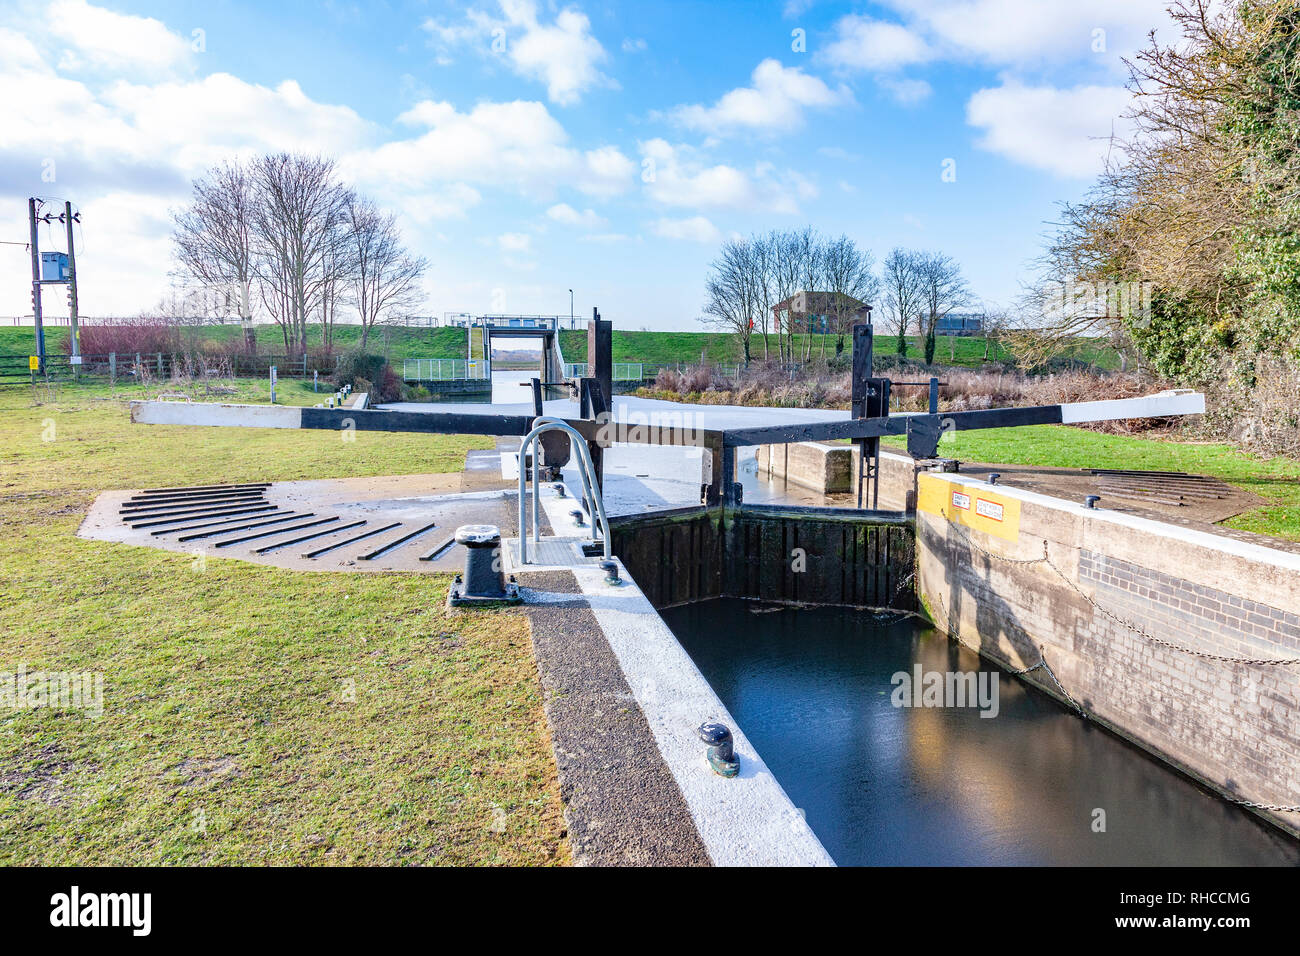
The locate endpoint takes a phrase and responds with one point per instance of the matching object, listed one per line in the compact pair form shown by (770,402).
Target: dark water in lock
(882,784)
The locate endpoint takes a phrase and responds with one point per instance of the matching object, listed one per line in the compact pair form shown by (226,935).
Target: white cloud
(102,39)
(125,143)
(838,152)
(517,144)
(565,214)
(132,133)
(677,177)
(905,90)
(1063,131)
(564,54)
(633,46)
(1015,34)
(879,47)
(694,229)
(450,202)
(775,102)
(515,242)
(1020,32)
(607,172)
(862,43)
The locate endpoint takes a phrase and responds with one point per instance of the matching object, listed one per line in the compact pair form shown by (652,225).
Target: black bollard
(721,753)
(482,581)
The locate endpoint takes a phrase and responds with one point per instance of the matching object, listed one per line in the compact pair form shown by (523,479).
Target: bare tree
(785,273)
(213,236)
(734,290)
(942,289)
(296,237)
(384,275)
(850,278)
(809,251)
(901,278)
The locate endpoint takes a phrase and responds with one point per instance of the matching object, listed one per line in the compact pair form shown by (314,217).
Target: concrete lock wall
(1130,614)
(789,555)
(833,469)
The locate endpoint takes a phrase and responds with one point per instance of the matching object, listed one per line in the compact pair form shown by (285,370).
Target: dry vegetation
(963,389)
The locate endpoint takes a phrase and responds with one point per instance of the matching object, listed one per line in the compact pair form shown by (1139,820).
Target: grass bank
(1277,480)
(250,714)
(660,348)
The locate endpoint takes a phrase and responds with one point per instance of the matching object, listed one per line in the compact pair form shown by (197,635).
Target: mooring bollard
(482,581)
(611,573)
(576,515)
(559,489)
(1091,501)
(993,478)
(721,753)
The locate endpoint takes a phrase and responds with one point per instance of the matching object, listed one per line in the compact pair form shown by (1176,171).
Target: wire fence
(156,366)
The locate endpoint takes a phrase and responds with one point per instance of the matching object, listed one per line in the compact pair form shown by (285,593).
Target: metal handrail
(586,471)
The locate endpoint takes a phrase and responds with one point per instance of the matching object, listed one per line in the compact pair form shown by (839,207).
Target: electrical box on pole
(36,287)
(53,268)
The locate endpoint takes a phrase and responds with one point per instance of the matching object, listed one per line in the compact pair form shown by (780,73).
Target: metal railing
(623,371)
(443,370)
(586,471)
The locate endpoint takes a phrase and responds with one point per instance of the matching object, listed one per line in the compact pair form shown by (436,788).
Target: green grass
(1056,446)
(400,342)
(659,348)
(251,714)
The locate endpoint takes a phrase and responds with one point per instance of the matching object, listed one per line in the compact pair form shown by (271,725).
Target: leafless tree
(850,278)
(785,271)
(213,236)
(901,279)
(734,292)
(297,237)
(942,289)
(384,275)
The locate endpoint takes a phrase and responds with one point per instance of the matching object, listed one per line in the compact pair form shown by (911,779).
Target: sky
(530,148)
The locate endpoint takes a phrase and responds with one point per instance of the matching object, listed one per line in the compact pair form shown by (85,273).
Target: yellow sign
(34,362)
(975,506)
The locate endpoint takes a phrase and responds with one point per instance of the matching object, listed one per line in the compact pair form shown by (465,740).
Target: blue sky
(533,147)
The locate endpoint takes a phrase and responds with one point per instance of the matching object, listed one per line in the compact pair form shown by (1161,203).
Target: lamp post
(570,308)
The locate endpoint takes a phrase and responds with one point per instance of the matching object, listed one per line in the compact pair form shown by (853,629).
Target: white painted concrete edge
(748,820)
(207,413)
(1242,549)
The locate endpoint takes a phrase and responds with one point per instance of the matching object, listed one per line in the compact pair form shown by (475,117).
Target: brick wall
(1219,621)
(1233,725)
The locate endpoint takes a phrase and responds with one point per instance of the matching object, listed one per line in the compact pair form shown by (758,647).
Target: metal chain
(1042,661)
(1046,559)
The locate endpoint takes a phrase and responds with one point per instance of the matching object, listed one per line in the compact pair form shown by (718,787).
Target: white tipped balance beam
(1171,402)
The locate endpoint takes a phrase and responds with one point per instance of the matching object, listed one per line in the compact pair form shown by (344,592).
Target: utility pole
(571,321)
(36,289)
(75,360)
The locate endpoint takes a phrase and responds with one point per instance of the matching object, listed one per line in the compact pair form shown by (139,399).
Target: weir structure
(1032,583)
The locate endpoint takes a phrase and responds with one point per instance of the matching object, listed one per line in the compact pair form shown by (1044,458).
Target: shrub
(146,335)
(389,385)
(356,367)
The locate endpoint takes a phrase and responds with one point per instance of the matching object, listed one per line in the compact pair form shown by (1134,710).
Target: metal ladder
(586,471)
